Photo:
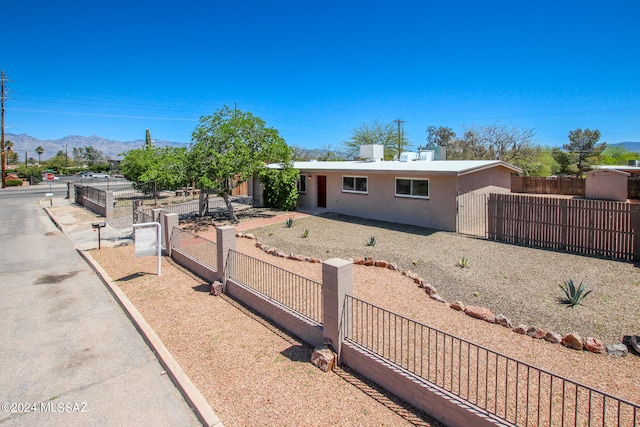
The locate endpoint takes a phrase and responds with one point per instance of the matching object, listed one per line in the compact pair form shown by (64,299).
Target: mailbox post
(98,226)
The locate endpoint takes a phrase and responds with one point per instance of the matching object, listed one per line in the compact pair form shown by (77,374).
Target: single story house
(415,192)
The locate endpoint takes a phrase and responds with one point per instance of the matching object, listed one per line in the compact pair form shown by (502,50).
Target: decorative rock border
(572,341)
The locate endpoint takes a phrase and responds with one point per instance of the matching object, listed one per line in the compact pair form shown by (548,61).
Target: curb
(191,394)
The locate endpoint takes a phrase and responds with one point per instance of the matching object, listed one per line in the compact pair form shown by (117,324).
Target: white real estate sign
(148,240)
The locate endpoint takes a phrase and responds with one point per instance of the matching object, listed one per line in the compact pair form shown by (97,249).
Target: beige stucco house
(418,192)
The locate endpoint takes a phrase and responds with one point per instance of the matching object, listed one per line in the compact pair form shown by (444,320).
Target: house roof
(610,169)
(443,167)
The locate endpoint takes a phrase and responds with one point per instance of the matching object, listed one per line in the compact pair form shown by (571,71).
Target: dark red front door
(322,191)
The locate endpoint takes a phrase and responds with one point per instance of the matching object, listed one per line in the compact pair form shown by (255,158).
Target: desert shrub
(371,241)
(463,262)
(13,182)
(289,222)
(573,295)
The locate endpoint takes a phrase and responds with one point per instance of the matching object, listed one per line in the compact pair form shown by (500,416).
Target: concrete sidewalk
(71,354)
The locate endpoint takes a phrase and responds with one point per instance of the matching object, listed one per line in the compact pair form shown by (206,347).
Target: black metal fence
(296,292)
(501,386)
(197,247)
(94,194)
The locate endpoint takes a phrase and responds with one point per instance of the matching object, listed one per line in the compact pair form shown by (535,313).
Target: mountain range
(110,148)
(113,149)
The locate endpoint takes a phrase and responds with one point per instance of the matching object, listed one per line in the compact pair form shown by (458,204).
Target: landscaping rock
(553,337)
(503,321)
(280,254)
(618,350)
(381,263)
(216,288)
(238,234)
(521,329)
(393,266)
(594,345)
(437,298)
(368,261)
(573,341)
(323,358)
(272,251)
(428,288)
(418,281)
(535,332)
(480,313)
(359,261)
(457,305)
(249,236)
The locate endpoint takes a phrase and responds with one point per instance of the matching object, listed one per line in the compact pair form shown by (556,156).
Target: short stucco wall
(193,265)
(307,330)
(436,402)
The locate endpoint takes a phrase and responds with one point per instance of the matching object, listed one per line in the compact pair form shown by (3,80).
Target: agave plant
(371,241)
(305,233)
(463,262)
(573,295)
(289,222)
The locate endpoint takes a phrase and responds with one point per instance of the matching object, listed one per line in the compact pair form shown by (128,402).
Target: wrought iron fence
(197,247)
(94,194)
(296,292)
(505,388)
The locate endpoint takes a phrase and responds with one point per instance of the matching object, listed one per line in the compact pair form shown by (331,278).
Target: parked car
(99,175)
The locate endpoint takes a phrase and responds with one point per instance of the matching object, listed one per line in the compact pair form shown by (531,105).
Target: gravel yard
(518,282)
(254,374)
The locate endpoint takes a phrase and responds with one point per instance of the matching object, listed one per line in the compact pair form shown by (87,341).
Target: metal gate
(471,215)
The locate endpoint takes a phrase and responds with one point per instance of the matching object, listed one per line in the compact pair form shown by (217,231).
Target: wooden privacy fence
(587,227)
(548,185)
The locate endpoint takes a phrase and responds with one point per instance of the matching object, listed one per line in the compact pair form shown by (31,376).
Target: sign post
(148,241)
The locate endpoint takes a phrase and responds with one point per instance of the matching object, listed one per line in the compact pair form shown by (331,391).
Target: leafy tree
(89,155)
(58,162)
(39,150)
(376,132)
(230,147)
(581,153)
(280,187)
(440,136)
(617,155)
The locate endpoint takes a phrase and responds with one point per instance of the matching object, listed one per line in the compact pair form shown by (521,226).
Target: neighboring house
(415,192)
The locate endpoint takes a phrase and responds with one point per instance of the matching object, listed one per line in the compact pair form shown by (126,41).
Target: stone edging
(572,340)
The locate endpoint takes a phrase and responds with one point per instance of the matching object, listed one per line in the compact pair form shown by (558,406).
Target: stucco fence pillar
(225,241)
(337,282)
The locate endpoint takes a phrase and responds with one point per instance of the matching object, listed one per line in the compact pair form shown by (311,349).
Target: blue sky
(316,70)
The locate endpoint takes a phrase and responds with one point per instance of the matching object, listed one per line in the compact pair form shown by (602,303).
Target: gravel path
(518,282)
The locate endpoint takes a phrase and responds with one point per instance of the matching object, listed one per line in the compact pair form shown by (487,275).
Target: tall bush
(280,187)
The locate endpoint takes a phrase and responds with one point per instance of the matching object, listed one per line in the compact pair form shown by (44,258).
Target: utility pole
(3,97)
(400,136)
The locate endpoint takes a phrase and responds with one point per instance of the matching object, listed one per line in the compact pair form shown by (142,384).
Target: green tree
(57,162)
(376,132)
(230,147)
(440,136)
(617,155)
(581,153)
(39,150)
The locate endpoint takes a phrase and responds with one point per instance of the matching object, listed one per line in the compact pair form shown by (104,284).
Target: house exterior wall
(381,203)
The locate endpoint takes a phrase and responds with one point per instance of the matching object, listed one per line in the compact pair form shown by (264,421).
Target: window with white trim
(355,184)
(302,183)
(411,187)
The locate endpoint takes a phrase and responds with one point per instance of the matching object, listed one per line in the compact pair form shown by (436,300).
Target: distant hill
(110,148)
(630,146)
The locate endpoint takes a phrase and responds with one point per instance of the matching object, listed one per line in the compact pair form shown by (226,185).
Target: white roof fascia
(446,167)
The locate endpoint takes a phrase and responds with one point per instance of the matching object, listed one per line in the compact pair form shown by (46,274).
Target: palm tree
(39,150)
(8,145)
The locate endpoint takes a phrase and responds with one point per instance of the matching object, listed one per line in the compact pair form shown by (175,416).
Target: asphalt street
(69,354)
